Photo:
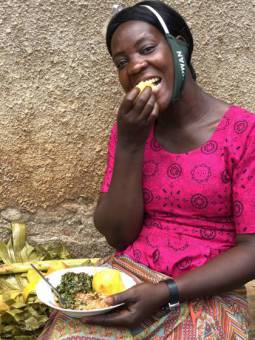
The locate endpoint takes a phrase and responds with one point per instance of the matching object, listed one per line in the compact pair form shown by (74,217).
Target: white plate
(46,296)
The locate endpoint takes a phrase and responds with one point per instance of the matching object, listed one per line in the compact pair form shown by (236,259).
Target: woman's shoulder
(238,131)
(239,112)
(240,120)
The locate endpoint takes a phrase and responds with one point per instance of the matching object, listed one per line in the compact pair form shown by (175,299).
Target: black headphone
(180,52)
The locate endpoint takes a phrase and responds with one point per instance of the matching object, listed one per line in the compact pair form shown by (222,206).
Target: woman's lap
(218,318)
(223,317)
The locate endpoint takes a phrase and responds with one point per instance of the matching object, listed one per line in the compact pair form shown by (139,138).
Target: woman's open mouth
(154,83)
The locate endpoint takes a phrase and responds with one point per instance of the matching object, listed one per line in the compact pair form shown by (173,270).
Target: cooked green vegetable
(73,283)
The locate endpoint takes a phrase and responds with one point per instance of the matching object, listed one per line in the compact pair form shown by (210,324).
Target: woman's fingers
(135,116)
(135,102)
(117,318)
(145,109)
(148,109)
(128,296)
(154,113)
(144,99)
(140,302)
(120,317)
(128,101)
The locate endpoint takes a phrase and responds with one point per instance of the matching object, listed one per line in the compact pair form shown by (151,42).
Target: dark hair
(174,22)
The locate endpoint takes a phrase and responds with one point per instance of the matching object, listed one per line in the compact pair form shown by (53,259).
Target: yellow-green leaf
(18,239)
(33,278)
(4,254)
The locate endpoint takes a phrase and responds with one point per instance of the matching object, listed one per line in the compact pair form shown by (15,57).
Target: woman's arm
(119,213)
(225,272)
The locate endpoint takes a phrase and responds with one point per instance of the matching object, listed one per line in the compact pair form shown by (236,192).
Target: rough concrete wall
(58,93)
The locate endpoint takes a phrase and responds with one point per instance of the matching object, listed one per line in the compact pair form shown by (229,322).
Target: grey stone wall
(58,94)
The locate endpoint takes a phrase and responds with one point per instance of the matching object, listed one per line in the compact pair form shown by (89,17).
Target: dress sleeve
(244,188)
(110,159)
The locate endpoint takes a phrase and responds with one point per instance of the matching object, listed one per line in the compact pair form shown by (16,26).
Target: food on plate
(108,282)
(82,291)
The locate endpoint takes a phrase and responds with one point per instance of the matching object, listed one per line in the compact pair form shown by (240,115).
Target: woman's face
(141,52)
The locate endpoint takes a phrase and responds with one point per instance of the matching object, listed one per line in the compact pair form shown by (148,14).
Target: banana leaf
(18,241)
(21,318)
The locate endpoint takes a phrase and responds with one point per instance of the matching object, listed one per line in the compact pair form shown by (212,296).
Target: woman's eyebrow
(138,42)
(118,54)
(142,39)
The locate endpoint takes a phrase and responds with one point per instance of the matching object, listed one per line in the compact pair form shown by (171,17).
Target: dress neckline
(195,150)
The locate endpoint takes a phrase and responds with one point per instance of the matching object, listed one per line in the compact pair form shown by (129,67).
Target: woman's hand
(136,116)
(141,301)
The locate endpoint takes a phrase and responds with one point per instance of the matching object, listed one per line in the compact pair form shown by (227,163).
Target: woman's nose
(137,65)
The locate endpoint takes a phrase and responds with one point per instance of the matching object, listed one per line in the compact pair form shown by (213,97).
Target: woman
(177,192)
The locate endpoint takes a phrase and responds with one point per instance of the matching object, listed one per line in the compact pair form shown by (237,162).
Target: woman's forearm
(119,214)
(225,272)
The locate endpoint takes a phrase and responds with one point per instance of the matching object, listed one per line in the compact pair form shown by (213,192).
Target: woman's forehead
(131,32)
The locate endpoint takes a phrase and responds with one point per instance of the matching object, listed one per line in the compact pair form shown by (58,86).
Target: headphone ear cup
(184,47)
(185,50)
(179,52)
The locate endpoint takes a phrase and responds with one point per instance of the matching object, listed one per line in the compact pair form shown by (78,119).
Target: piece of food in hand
(108,282)
(152,83)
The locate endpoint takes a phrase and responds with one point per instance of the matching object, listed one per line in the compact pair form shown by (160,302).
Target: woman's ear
(180,38)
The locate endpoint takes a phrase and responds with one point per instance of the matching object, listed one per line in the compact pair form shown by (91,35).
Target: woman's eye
(121,63)
(148,49)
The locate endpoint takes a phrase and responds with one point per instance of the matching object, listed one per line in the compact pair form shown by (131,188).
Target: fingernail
(108,300)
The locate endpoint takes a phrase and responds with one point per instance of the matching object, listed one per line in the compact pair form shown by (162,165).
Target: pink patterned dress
(195,203)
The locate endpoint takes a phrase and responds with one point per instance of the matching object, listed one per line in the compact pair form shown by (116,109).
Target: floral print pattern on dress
(195,203)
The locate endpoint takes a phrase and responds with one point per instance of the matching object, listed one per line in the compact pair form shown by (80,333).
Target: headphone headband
(159,17)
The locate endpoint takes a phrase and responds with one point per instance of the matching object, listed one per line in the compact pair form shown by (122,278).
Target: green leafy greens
(73,283)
